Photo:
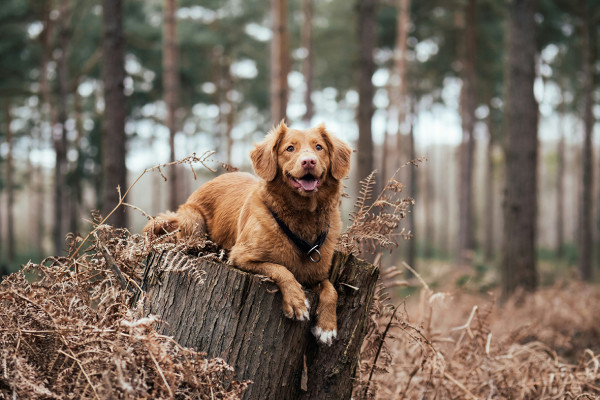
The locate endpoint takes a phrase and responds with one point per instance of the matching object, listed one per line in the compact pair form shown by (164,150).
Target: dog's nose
(308,162)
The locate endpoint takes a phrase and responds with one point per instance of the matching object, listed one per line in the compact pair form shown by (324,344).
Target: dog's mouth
(308,182)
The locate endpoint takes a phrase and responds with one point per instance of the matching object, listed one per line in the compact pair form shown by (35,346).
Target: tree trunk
(518,265)
(366,33)
(60,135)
(226,104)
(490,204)
(76,175)
(400,78)
(307,62)
(171,89)
(467,112)
(411,258)
(560,196)
(113,142)
(237,316)
(585,223)
(280,61)
(10,190)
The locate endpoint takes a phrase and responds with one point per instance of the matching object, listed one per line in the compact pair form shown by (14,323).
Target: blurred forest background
(497,100)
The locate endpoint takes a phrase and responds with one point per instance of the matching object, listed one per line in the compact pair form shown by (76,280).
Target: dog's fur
(234,209)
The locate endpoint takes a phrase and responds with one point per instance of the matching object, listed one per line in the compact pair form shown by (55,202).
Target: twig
(387,328)
(460,385)
(188,160)
(110,261)
(161,374)
(408,267)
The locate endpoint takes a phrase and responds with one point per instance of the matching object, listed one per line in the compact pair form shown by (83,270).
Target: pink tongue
(308,185)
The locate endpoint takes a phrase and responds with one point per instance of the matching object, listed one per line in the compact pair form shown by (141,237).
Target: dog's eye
(319,147)
(290,148)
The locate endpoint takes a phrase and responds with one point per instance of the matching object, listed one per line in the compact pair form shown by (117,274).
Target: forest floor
(453,338)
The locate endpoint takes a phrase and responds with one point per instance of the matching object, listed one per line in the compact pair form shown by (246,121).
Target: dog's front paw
(324,336)
(296,306)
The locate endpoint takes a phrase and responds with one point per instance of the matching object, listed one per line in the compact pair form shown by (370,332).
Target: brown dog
(284,225)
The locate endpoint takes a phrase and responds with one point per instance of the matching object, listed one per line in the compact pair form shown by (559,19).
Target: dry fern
(376,223)
(69,332)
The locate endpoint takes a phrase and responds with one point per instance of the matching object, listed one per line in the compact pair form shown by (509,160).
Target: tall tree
(560,195)
(10,190)
(585,223)
(171,89)
(518,264)
(280,60)
(366,65)
(60,132)
(114,170)
(398,89)
(468,102)
(489,190)
(307,62)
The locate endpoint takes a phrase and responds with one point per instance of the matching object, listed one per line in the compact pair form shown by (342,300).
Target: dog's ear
(264,155)
(339,154)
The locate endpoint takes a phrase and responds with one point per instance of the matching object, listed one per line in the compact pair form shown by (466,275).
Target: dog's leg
(295,304)
(190,220)
(325,329)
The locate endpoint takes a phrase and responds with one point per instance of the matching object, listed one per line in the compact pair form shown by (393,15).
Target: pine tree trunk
(518,264)
(585,223)
(400,58)
(10,190)
(490,204)
(170,89)
(307,63)
(467,149)
(113,141)
(411,258)
(560,197)
(280,61)
(237,316)
(60,135)
(366,33)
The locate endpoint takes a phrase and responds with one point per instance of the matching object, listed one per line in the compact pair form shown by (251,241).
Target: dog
(283,224)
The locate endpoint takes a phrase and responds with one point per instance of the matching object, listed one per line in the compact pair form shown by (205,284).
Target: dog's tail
(161,224)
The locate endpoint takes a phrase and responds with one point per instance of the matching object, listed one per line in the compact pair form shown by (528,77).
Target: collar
(311,250)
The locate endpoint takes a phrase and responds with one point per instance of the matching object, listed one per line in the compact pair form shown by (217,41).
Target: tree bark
(171,89)
(114,170)
(307,62)
(60,135)
(280,61)
(366,33)
(518,264)
(10,190)
(468,100)
(237,316)
(411,258)
(490,204)
(560,196)
(585,223)
(400,78)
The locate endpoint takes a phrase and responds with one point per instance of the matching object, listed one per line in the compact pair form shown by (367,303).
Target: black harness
(311,250)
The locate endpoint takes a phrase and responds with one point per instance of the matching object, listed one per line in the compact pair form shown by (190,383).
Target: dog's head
(305,160)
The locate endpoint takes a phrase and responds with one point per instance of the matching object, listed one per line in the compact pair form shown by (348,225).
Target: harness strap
(311,250)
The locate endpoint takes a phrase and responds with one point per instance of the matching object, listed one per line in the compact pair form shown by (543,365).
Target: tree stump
(237,316)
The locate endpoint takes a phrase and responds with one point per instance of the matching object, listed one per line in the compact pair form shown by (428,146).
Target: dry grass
(68,329)
(456,346)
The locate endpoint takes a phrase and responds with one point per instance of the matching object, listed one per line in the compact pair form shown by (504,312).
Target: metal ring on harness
(315,249)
